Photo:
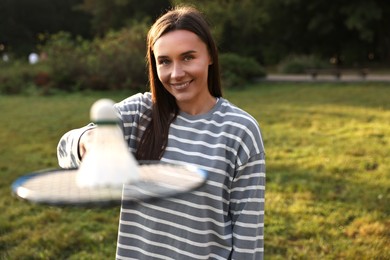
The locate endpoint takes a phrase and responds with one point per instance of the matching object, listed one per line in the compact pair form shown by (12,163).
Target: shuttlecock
(108,161)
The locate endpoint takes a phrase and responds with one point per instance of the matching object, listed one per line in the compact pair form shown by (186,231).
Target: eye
(163,61)
(188,57)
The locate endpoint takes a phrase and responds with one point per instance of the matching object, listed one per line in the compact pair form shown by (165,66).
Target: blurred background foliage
(100,44)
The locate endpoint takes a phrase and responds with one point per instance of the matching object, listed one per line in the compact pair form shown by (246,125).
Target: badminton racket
(59,186)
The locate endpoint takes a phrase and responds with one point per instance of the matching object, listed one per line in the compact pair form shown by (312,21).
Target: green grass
(328,176)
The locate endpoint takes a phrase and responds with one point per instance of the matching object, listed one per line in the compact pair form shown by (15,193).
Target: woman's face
(182,61)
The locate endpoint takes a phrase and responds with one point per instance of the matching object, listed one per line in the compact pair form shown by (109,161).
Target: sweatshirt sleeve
(68,147)
(247,209)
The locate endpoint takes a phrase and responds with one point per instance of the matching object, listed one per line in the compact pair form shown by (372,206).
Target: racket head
(58,187)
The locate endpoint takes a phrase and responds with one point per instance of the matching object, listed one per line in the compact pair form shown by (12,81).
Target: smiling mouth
(180,86)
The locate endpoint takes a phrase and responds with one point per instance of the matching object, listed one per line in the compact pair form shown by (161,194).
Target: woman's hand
(85,142)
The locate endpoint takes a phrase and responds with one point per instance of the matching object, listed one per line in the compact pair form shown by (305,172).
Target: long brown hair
(164,108)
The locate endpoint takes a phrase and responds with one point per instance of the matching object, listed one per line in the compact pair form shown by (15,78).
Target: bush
(66,58)
(120,59)
(19,77)
(298,64)
(238,71)
(116,61)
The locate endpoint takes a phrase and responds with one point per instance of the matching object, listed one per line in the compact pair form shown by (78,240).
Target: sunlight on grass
(327,148)
(328,183)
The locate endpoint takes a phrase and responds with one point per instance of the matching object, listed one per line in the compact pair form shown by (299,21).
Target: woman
(185,119)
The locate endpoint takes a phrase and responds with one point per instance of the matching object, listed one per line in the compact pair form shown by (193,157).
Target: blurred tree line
(100,44)
(352,31)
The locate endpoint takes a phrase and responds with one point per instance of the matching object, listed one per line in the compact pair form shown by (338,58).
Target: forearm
(68,147)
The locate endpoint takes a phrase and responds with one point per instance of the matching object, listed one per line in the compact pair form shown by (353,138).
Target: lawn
(328,173)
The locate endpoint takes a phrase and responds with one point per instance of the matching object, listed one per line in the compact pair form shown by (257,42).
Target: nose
(177,71)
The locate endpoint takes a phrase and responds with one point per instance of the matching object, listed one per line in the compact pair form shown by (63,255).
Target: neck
(199,108)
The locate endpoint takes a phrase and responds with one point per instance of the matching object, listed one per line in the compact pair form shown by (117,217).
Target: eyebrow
(183,54)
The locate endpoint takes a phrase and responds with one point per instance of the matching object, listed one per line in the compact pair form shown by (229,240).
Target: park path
(326,78)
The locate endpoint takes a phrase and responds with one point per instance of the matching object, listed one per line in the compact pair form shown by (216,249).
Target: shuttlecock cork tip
(102,111)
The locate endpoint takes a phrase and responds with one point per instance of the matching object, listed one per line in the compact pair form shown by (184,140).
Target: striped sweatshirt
(223,219)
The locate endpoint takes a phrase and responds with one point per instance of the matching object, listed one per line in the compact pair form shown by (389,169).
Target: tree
(114,14)
(24,22)
(349,30)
